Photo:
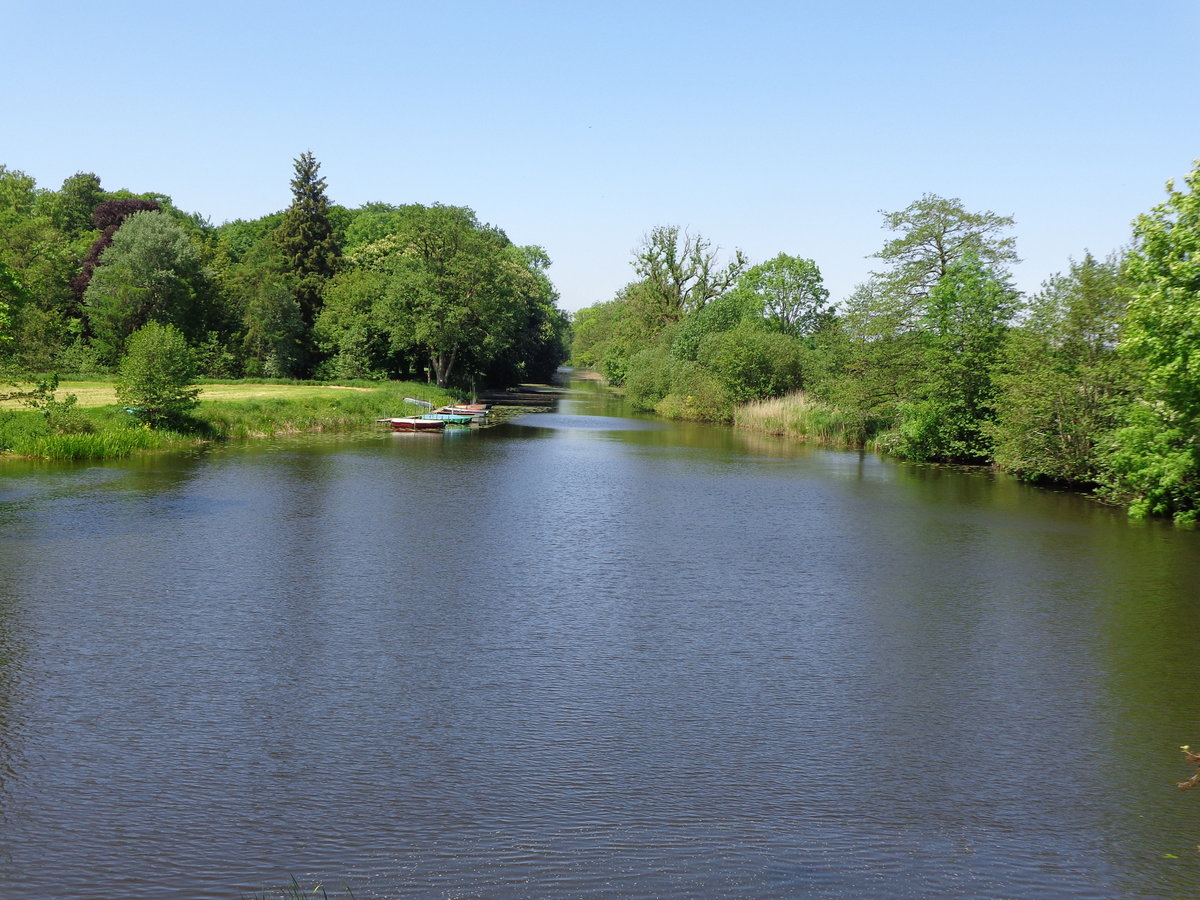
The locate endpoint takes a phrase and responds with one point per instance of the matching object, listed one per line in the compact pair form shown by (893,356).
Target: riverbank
(93,426)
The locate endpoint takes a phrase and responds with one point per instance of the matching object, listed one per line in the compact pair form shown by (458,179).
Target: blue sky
(770,127)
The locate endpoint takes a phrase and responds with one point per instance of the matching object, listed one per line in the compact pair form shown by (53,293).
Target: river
(584,653)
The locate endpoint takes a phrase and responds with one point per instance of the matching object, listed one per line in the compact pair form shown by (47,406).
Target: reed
(804,418)
(293,891)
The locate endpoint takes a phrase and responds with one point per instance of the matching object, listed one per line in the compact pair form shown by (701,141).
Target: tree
(11,292)
(968,316)
(1157,462)
(935,233)
(876,363)
(71,207)
(155,377)
(789,294)
(151,272)
(1062,385)
(681,274)
(107,217)
(273,331)
(306,237)
(441,292)
(351,331)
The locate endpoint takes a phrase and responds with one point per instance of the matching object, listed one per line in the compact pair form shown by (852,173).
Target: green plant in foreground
(293,891)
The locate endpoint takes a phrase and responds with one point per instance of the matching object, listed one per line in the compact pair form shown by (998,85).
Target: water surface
(585,653)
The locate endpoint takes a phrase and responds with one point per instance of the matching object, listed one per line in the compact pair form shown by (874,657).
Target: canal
(585,653)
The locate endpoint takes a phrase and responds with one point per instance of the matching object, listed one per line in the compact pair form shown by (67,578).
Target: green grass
(99,429)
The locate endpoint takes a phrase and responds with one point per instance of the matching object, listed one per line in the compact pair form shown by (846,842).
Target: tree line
(315,291)
(1092,383)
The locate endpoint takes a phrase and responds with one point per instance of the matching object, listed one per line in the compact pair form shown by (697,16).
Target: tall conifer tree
(306,237)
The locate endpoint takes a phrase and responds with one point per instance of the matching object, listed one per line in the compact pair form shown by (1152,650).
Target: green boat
(449,418)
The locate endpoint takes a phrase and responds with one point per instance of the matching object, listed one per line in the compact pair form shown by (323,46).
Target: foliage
(273,337)
(648,379)
(11,291)
(73,206)
(681,274)
(61,416)
(968,314)
(723,313)
(752,363)
(444,292)
(916,342)
(156,376)
(306,237)
(606,337)
(788,293)
(108,217)
(151,272)
(1157,463)
(935,232)
(696,395)
(1061,385)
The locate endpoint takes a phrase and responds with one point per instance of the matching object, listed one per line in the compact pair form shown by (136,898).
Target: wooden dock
(527,395)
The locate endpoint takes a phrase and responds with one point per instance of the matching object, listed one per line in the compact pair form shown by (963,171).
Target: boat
(460,409)
(414,423)
(447,418)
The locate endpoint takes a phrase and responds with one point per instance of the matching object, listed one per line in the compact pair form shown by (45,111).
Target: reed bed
(801,417)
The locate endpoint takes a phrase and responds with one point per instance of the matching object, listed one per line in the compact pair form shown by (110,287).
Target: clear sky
(767,126)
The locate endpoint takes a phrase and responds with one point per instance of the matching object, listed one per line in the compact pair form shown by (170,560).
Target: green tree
(307,237)
(933,234)
(351,330)
(1062,385)
(273,335)
(875,363)
(1157,463)
(151,272)
(71,207)
(681,273)
(443,292)
(156,375)
(969,310)
(11,292)
(789,294)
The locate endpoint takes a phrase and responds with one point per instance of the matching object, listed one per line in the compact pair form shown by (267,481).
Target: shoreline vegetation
(94,426)
(1090,384)
(803,418)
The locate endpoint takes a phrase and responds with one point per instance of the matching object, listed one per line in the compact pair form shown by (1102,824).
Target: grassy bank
(95,427)
(801,417)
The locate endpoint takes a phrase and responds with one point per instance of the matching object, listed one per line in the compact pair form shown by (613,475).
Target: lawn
(96,427)
(101,393)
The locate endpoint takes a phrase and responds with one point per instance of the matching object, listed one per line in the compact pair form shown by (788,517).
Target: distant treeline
(1092,383)
(317,290)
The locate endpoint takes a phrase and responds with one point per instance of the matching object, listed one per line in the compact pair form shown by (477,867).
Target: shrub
(696,395)
(753,363)
(155,378)
(648,379)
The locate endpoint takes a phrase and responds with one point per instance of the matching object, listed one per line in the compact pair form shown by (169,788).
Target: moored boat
(414,423)
(449,418)
(475,410)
